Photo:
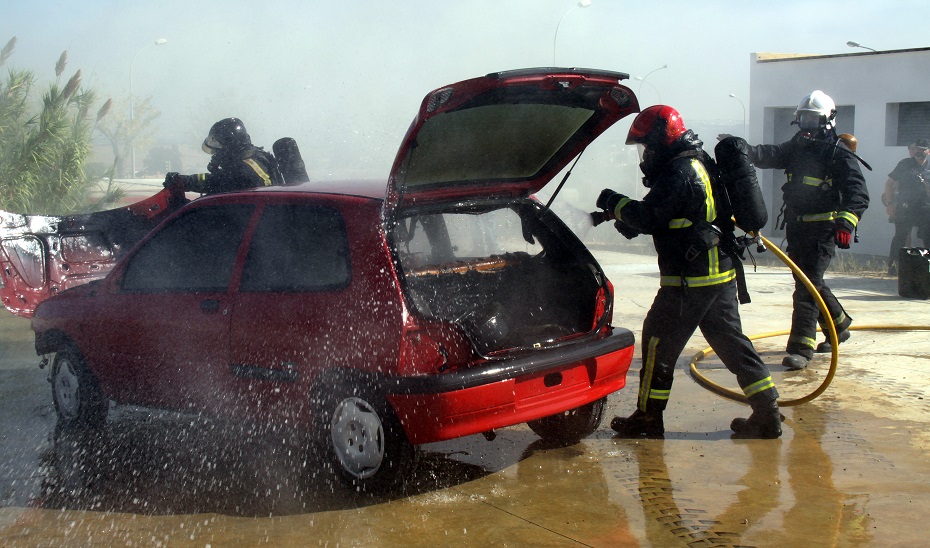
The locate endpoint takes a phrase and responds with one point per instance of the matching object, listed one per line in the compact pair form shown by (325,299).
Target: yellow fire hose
(831,334)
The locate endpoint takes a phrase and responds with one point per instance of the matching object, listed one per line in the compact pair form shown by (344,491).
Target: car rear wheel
(366,443)
(79,402)
(572,425)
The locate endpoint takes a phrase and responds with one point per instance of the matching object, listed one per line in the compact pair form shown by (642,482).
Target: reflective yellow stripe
(259,171)
(679,223)
(623,201)
(830,216)
(803,341)
(649,367)
(659,394)
(704,177)
(759,386)
(814,217)
(848,216)
(814,181)
(698,281)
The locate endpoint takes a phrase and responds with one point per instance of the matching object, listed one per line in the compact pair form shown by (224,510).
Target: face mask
(809,121)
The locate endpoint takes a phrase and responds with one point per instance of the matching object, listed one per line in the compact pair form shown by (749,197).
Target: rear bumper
(495,395)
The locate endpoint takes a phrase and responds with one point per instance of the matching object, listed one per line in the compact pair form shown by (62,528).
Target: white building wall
(866,81)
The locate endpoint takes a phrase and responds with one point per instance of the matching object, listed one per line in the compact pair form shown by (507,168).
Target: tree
(45,144)
(124,133)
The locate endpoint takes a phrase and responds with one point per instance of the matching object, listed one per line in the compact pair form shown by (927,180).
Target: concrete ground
(850,470)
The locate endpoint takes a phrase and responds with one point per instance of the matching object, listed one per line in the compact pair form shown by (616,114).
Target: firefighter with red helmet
(235,163)
(688,219)
(824,198)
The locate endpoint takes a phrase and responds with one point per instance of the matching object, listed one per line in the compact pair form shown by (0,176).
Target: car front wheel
(366,442)
(572,425)
(79,402)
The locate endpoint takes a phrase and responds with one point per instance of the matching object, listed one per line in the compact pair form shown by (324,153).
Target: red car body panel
(447,415)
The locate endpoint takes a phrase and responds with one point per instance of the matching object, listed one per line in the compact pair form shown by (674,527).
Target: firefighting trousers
(811,246)
(675,315)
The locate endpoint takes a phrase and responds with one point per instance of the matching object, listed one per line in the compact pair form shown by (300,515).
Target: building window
(907,122)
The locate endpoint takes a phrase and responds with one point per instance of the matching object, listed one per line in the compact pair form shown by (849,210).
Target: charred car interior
(501,272)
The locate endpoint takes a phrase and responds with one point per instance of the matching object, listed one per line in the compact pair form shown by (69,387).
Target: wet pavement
(850,470)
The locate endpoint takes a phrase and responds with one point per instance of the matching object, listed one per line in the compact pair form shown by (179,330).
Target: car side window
(196,252)
(297,248)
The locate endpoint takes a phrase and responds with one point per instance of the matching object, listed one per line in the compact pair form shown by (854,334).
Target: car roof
(364,188)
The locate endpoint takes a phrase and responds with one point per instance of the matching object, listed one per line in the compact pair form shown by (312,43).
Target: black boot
(826,348)
(640,424)
(764,423)
(795,362)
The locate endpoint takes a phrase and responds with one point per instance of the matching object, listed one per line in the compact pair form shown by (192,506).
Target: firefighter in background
(235,163)
(906,200)
(824,198)
(686,215)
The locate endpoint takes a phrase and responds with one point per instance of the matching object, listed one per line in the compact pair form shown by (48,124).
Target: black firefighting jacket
(681,200)
(824,180)
(250,168)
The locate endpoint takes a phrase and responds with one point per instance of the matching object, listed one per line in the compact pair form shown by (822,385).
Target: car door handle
(209,306)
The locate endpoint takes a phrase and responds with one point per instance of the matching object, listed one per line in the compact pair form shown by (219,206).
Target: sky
(345,77)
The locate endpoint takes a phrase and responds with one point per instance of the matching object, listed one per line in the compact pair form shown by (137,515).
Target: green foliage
(45,144)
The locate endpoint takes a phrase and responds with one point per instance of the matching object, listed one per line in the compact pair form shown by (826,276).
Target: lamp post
(580,4)
(858,45)
(132,148)
(745,131)
(642,80)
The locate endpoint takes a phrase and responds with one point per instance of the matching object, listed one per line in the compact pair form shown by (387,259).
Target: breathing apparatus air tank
(739,179)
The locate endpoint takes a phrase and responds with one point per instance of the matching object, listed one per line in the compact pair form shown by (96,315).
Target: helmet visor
(211,145)
(808,120)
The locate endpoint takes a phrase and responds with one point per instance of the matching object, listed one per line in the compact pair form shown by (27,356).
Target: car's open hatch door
(504,134)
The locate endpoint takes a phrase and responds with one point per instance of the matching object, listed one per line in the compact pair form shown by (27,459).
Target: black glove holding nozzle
(607,201)
(598,217)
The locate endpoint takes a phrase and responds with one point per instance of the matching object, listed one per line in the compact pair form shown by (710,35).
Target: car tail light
(420,353)
(603,307)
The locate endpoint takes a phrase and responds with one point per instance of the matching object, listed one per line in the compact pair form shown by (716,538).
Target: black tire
(79,402)
(75,458)
(364,441)
(572,425)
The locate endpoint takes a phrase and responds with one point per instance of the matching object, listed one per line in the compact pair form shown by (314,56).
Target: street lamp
(642,80)
(132,148)
(858,45)
(580,4)
(745,132)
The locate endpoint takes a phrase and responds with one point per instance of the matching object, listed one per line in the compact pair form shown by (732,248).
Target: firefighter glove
(174,181)
(608,200)
(628,232)
(843,234)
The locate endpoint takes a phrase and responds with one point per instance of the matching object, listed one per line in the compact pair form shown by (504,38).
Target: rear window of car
(297,248)
(439,238)
(195,252)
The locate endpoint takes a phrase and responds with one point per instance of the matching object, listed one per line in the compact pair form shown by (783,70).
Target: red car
(451,303)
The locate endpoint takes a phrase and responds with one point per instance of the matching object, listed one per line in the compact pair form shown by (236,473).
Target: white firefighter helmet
(816,111)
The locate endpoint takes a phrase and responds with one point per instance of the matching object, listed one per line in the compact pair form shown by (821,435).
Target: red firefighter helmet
(657,125)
